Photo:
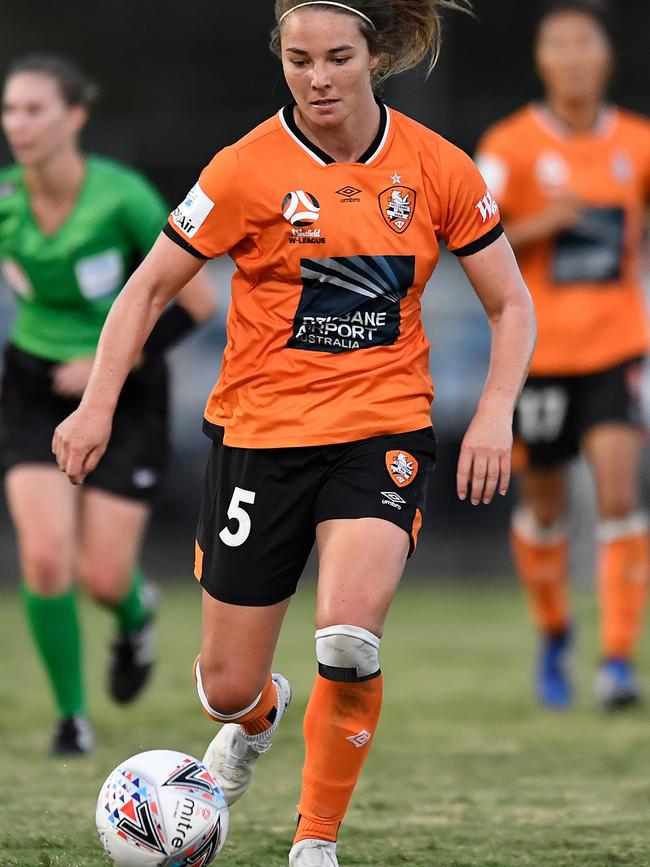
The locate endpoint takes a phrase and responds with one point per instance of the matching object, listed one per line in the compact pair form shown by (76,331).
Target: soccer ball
(161,809)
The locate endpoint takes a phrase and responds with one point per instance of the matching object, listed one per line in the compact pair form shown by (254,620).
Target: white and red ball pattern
(161,808)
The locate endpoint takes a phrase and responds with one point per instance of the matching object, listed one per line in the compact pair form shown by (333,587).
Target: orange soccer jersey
(324,338)
(586,282)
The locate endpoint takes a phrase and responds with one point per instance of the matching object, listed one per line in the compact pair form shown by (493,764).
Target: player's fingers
(75,462)
(463,472)
(61,451)
(478,477)
(92,460)
(491,478)
(505,470)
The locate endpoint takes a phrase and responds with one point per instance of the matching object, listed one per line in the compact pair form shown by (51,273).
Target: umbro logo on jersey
(397,206)
(487,207)
(300,208)
(349,194)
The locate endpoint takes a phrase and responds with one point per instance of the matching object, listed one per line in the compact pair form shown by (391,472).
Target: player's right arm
(500,162)
(81,439)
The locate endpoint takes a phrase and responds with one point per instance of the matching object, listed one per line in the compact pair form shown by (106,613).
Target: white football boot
(232,754)
(313,853)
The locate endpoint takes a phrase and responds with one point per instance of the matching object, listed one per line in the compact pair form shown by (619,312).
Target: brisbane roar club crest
(402,467)
(397,205)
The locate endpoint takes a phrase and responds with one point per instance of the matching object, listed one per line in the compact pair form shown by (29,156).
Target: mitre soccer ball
(161,809)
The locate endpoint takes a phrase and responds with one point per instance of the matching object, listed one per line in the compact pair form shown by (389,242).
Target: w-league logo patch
(402,467)
(300,208)
(397,205)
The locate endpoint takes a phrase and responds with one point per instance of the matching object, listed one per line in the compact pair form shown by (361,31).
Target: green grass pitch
(465,771)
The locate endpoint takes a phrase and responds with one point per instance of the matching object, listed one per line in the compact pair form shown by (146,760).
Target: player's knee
(224,694)
(617,505)
(348,654)
(46,568)
(103,581)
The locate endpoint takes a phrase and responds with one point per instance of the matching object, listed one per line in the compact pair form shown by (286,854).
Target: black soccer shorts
(137,451)
(261,507)
(555,412)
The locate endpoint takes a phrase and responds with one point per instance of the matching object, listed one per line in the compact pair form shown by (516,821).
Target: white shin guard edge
(350,648)
(525,524)
(219,717)
(614,529)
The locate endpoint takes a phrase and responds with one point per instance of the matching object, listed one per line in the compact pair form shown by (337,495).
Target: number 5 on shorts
(236,513)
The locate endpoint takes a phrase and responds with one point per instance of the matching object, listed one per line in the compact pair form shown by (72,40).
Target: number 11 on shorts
(236,513)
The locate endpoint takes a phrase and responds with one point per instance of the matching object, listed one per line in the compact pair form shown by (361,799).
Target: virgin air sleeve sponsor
(191,214)
(210,220)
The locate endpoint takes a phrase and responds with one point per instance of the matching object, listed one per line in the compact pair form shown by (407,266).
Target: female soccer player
(70,228)
(320,420)
(573,177)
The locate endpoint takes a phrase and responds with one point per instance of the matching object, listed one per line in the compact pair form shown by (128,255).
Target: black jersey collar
(288,121)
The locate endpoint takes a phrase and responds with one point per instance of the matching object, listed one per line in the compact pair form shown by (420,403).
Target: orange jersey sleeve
(470,216)
(210,220)
(498,160)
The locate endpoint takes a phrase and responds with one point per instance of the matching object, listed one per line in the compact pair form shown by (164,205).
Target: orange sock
(254,720)
(340,723)
(623,569)
(541,561)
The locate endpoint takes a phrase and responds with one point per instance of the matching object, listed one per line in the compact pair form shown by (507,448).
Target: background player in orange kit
(573,179)
(320,420)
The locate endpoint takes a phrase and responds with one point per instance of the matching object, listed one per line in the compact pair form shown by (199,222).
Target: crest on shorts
(397,205)
(402,467)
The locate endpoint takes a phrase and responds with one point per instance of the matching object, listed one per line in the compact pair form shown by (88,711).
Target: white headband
(327,3)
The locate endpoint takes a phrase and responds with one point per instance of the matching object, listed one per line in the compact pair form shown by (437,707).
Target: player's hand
(564,210)
(71,378)
(484,464)
(80,441)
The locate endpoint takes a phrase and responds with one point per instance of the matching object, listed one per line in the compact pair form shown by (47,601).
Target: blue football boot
(554,687)
(616,685)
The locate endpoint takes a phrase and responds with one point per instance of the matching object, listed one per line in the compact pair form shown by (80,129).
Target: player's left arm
(484,465)
(471,226)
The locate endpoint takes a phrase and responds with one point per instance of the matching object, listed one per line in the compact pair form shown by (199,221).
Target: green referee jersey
(66,282)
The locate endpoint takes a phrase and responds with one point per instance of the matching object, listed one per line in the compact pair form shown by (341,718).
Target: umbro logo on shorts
(392,499)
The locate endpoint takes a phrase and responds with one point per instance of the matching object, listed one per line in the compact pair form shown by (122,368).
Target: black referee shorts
(137,451)
(261,507)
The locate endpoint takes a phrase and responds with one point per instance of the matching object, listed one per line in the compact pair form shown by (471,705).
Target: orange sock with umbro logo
(339,728)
